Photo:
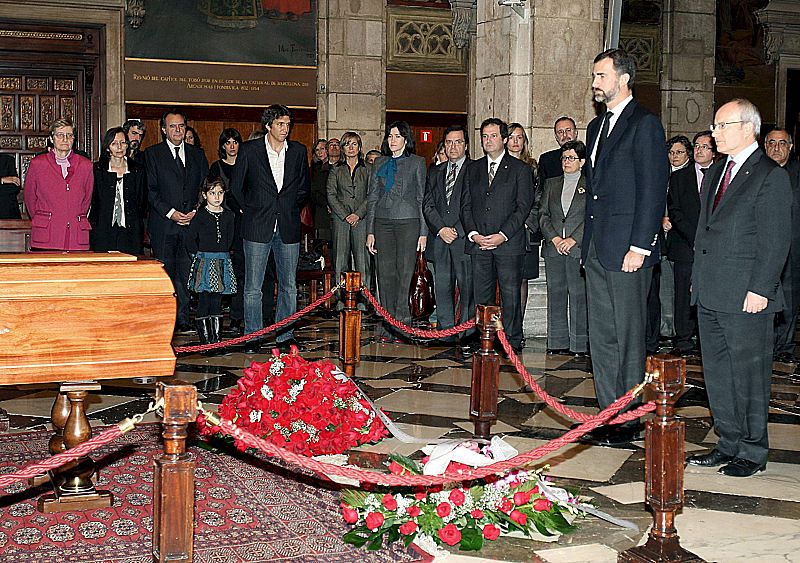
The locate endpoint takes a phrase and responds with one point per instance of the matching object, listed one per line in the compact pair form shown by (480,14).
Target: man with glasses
(683,205)
(135,130)
(441,208)
(778,146)
(740,250)
(564,130)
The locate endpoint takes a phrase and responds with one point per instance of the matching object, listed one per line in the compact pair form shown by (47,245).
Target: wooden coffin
(15,235)
(84,316)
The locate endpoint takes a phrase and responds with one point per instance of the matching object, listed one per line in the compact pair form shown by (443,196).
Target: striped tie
(492,166)
(450,183)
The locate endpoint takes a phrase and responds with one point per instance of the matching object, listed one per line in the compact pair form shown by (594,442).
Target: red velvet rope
(411,330)
(82,449)
(551,401)
(273,327)
(364,476)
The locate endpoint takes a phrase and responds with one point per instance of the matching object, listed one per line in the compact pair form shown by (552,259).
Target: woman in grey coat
(347,199)
(396,228)
(561,216)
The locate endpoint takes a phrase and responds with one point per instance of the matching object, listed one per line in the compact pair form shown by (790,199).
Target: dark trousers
(452,270)
(786,320)
(171,251)
(396,242)
(653,331)
(737,368)
(487,270)
(617,306)
(566,304)
(685,313)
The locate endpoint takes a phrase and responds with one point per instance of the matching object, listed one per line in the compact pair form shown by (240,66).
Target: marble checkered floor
(425,389)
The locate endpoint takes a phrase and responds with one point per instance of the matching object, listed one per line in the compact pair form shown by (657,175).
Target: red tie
(726,179)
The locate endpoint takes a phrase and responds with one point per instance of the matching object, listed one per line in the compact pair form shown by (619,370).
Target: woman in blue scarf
(396,228)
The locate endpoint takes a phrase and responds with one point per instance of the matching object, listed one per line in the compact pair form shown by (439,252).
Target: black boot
(215,329)
(202,329)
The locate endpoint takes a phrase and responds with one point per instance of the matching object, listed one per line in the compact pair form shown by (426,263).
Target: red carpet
(244,511)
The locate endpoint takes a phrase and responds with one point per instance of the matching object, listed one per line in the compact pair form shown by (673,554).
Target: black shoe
(785,358)
(183,328)
(621,434)
(579,354)
(711,459)
(252,346)
(739,467)
(557,352)
(235,326)
(286,345)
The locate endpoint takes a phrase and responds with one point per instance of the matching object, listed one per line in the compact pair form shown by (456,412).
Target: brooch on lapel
(581,190)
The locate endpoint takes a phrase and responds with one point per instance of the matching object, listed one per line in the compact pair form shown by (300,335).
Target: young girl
(209,242)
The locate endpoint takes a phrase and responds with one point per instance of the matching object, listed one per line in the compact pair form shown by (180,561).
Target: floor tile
(426,402)
(594,553)
(370,370)
(624,493)
(549,418)
(780,481)
(583,389)
(460,377)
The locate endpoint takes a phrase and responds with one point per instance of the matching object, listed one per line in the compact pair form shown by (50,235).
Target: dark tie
(704,170)
(178,160)
(492,166)
(450,183)
(603,134)
(726,180)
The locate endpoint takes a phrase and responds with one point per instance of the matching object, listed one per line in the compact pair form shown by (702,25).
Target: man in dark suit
(683,210)
(778,146)
(740,249)
(627,175)
(271,182)
(496,200)
(442,208)
(175,172)
(564,130)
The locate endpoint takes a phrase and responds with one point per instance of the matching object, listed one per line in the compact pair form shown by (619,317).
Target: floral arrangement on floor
(522,501)
(310,408)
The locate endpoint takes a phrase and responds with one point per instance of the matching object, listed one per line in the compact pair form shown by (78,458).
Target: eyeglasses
(703,146)
(774,143)
(64,136)
(677,153)
(570,158)
(722,125)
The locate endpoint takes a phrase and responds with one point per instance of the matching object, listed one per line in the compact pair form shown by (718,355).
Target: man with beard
(135,130)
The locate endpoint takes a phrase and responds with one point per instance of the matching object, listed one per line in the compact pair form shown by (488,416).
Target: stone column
(533,69)
(351,75)
(688,31)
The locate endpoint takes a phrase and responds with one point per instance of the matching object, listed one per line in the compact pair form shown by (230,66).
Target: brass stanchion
(350,324)
(664,436)
(485,372)
(173,493)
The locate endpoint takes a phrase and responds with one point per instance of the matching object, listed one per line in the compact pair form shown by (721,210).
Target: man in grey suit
(441,208)
(561,215)
(741,246)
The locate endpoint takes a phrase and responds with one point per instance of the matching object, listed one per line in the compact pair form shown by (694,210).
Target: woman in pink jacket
(58,192)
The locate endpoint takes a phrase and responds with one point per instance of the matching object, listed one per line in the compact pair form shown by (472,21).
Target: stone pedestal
(688,30)
(351,75)
(535,68)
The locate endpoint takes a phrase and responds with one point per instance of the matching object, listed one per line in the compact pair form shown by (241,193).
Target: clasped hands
(488,242)
(564,245)
(352,219)
(183,218)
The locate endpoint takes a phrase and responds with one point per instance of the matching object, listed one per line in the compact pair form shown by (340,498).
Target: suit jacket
(742,245)
(553,221)
(683,210)
(255,189)
(347,193)
(550,164)
(171,187)
(134,193)
(439,214)
(503,206)
(627,187)
(404,200)
(9,208)
(793,168)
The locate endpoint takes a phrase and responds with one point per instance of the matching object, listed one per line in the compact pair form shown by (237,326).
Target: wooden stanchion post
(485,372)
(350,324)
(664,436)
(173,494)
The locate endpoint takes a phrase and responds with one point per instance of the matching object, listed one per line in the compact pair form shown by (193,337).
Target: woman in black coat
(119,199)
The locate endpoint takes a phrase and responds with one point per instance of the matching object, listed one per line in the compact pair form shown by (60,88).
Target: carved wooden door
(30,100)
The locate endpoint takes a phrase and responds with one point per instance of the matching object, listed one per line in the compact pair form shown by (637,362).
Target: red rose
(421,496)
(450,534)
(388,502)
(491,532)
(408,528)
(374,520)
(505,505)
(396,468)
(457,497)
(518,517)
(476,513)
(522,498)
(413,511)
(350,515)
(443,510)
(542,505)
